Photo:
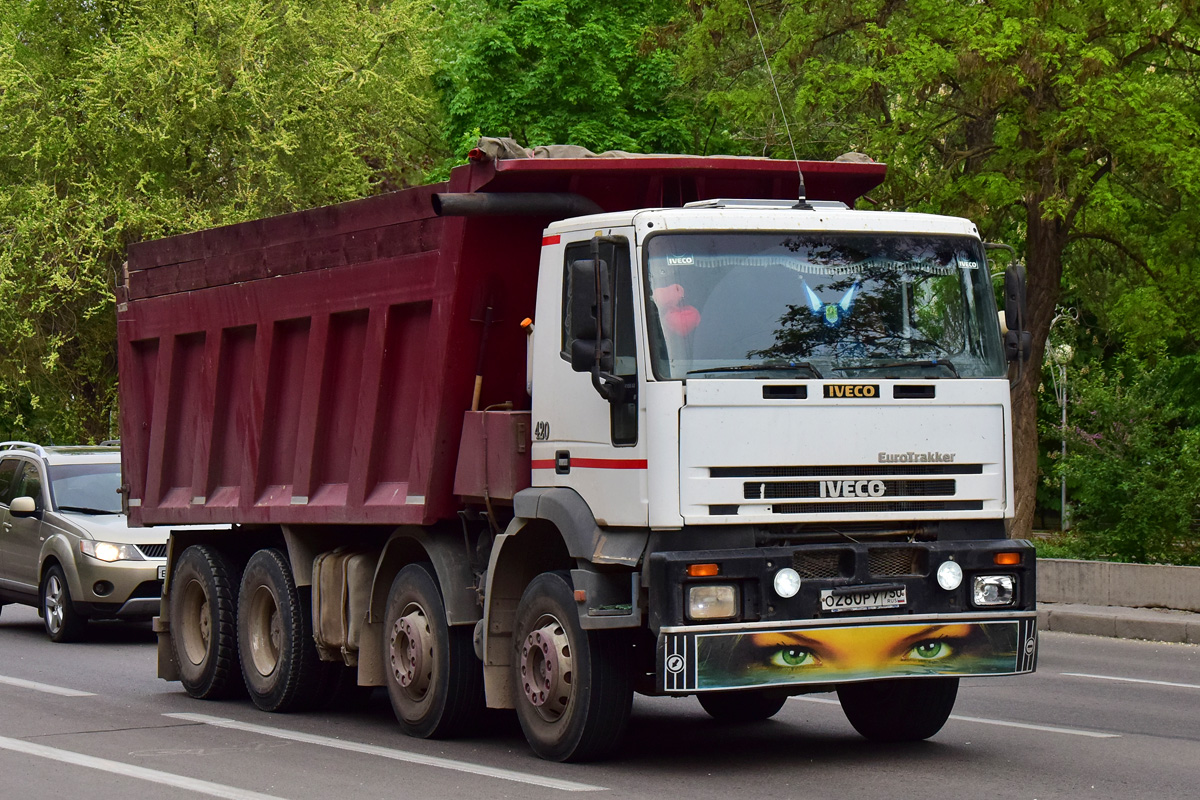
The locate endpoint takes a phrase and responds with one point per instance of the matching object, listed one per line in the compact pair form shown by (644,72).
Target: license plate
(162,572)
(859,601)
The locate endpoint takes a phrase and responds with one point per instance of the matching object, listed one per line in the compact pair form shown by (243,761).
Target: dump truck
(558,431)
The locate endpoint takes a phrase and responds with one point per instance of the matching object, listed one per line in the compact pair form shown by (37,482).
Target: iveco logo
(852,489)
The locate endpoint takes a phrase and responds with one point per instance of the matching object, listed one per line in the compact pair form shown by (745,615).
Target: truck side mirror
(590,305)
(1018,342)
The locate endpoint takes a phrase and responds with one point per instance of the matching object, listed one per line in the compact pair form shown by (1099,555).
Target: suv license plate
(858,601)
(162,572)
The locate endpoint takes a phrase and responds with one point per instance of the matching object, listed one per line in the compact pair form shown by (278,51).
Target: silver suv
(65,546)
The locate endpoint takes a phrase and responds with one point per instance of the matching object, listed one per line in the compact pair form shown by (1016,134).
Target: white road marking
(1002,723)
(132,771)
(396,755)
(44,687)
(1132,680)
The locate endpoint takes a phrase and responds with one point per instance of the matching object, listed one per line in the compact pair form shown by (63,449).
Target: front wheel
(748,705)
(574,687)
(62,622)
(899,710)
(434,680)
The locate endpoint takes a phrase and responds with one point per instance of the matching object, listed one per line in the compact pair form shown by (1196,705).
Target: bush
(1133,462)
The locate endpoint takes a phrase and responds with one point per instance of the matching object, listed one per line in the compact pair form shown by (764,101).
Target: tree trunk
(1043,254)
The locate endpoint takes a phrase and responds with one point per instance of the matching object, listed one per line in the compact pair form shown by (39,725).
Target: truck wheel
(203,628)
(574,687)
(903,710)
(434,680)
(749,705)
(62,622)
(275,642)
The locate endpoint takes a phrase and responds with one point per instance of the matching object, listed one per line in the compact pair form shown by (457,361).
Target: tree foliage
(600,75)
(122,120)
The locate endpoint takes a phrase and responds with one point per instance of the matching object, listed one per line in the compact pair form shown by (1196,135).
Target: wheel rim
(410,652)
(547,668)
(54,604)
(196,626)
(266,631)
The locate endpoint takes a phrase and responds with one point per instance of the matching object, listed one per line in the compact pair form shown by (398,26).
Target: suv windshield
(764,305)
(86,487)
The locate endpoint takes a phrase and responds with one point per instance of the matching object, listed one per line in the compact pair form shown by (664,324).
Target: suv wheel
(63,623)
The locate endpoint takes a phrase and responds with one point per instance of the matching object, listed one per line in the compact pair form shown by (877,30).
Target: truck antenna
(803,203)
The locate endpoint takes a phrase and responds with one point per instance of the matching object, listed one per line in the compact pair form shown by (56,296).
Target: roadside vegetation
(1070,130)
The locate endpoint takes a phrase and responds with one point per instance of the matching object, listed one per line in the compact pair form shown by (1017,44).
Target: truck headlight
(109,551)
(712,602)
(949,575)
(994,590)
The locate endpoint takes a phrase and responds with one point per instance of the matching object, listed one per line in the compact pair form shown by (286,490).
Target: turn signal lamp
(1007,559)
(703,570)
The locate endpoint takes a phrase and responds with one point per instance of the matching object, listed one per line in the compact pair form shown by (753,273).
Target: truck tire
(434,680)
(574,688)
(62,622)
(899,710)
(203,625)
(748,705)
(279,659)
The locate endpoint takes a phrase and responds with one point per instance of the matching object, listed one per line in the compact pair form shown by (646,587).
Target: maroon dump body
(315,368)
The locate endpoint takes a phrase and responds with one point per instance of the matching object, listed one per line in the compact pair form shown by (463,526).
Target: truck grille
(842,471)
(835,508)
(842,562)
(786,490)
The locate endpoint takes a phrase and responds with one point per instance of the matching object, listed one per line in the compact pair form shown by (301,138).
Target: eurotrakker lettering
(916,458)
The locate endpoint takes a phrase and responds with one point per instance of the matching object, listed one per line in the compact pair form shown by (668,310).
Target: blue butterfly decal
(833,313)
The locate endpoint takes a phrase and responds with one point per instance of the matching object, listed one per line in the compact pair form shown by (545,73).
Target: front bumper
(798,641)
(118,589)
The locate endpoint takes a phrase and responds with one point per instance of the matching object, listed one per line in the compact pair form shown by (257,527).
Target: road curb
(1160,625)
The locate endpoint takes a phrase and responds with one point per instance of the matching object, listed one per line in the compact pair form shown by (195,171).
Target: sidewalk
(1155,624)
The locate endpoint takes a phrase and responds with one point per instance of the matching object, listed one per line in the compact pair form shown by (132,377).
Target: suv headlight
(994,590)
(109,551)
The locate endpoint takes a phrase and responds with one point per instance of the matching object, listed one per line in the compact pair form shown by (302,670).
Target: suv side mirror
(1018,342)
(23,507)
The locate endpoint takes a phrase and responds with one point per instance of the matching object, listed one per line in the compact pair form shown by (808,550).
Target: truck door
(583,440)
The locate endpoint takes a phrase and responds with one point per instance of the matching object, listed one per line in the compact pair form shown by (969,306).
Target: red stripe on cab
(549,240)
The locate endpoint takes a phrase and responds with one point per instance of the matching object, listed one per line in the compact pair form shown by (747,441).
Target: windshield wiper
(934,362)
(762,368)
(86,510)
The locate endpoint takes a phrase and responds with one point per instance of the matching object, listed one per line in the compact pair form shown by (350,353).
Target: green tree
(122,120)
(600,75)
(1070,128)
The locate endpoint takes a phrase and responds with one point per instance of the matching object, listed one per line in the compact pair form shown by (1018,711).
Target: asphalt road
(1102,718)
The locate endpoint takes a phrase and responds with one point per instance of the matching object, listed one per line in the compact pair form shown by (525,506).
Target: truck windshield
(763,305)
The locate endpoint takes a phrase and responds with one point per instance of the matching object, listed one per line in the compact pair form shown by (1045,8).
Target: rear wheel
(574,687)
(434,680)
(62,622)
(275,643)
(750,705)
(903,710)
(203,625)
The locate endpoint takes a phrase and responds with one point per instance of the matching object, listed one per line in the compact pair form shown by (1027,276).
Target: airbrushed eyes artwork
(848,653)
